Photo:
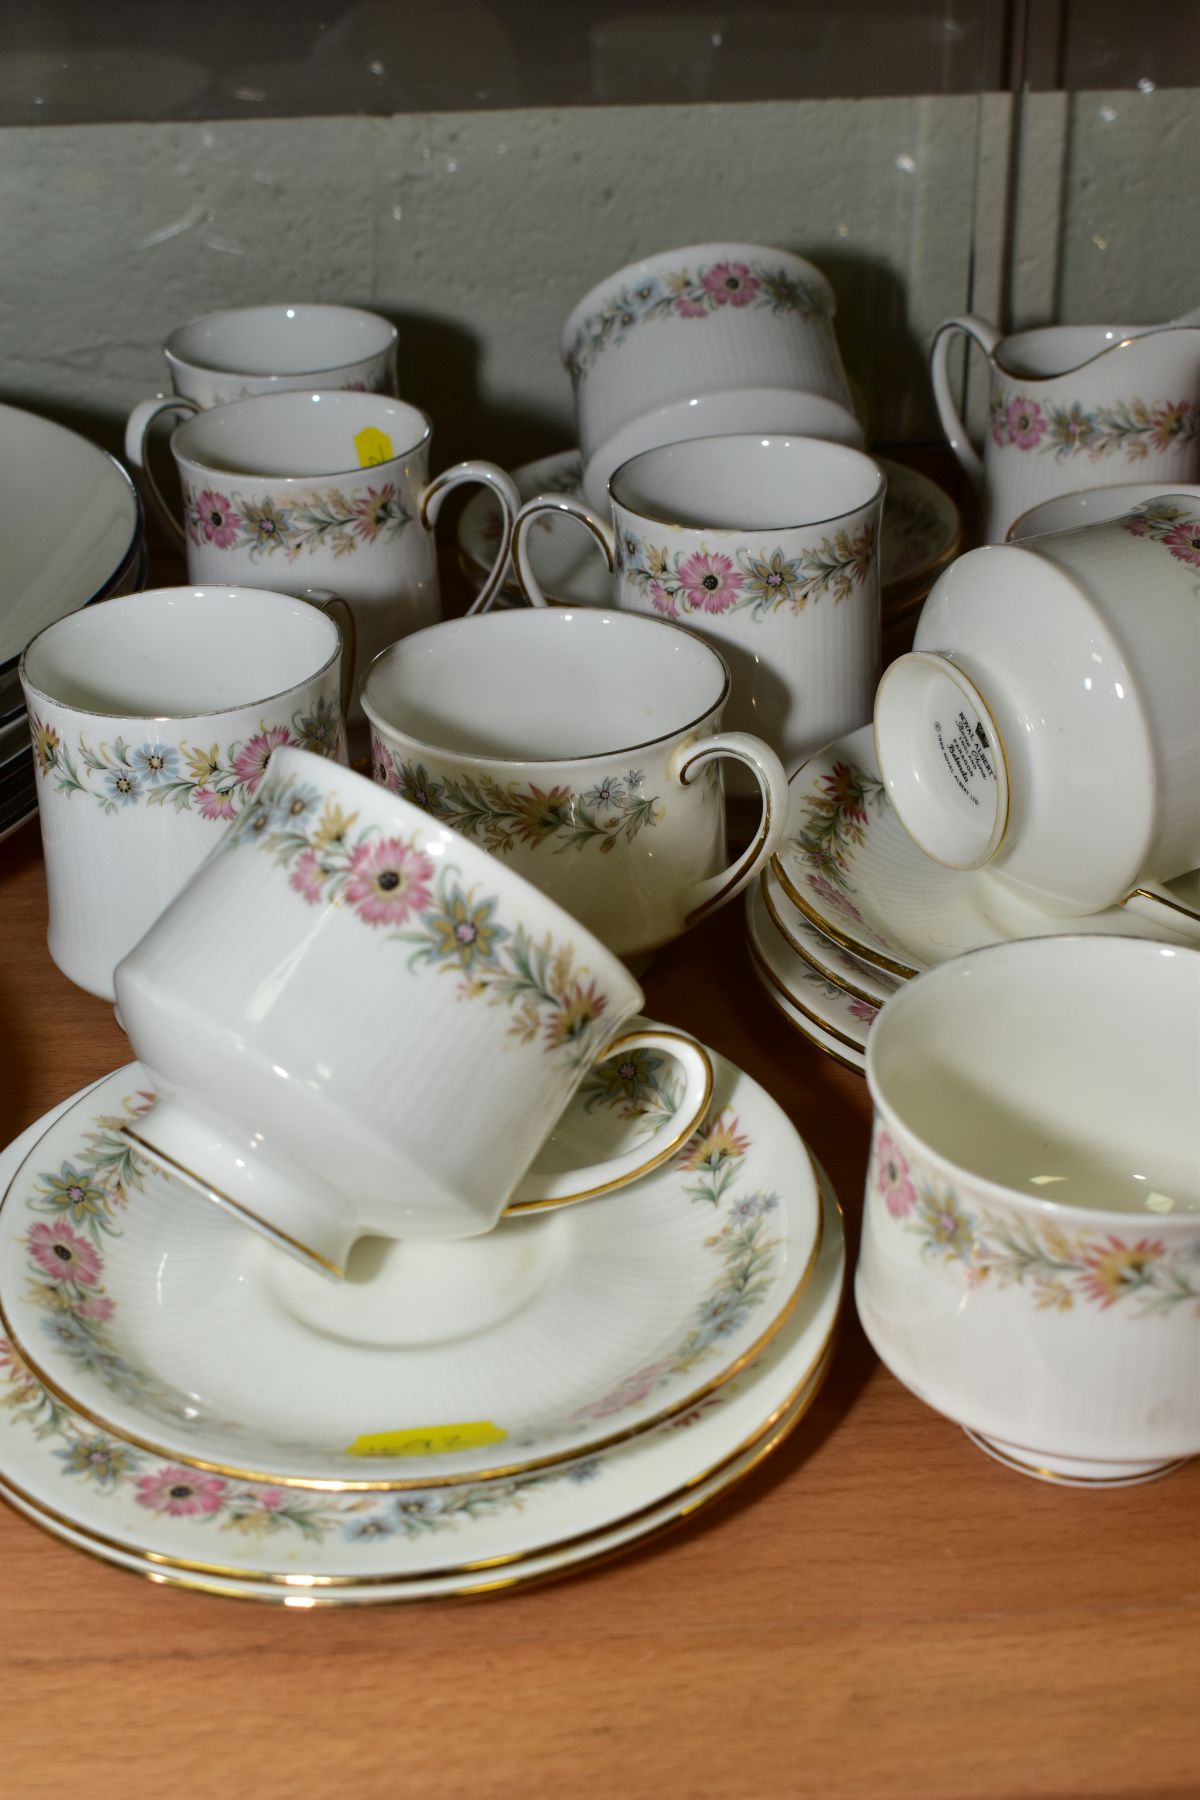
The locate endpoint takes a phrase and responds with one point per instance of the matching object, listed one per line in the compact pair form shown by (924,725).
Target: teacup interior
(544,685)
(1066,1069)
(179,652)
(1057,349)
(300,434)
(280,340)
(746,482)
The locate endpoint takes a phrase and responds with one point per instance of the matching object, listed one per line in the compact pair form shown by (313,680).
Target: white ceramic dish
(854,872)
(820,1039)
(71,526)
(120,1502)
(922,529)
(857,977)
(821,1002)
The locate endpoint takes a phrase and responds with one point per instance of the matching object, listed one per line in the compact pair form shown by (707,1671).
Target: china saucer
(124,1504)
(851,868)
(433,1362)
(857,977)
(921,533)
(820,1001)
(816,1034)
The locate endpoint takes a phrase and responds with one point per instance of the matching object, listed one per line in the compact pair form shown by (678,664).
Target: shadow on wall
(882,353)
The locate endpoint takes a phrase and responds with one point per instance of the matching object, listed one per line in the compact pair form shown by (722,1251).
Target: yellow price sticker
(428,1440)
(373,446)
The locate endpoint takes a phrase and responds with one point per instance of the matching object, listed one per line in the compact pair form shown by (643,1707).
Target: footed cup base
(1073,1471)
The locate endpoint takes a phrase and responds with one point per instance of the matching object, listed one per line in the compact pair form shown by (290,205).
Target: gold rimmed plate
(433,1364)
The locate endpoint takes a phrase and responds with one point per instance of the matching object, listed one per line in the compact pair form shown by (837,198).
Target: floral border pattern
(1172,526)
(1057,1266)
(711,582)
(77,1207)
(835,818)
(688,294)
(501,817)
(216,784)
(317,519)
(1130,428)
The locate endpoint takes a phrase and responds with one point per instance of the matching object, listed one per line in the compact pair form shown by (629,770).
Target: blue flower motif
(292,806)
(68,1332)
(372,1525)
(122,786)
(608,792)
(157,762)
(584,1471)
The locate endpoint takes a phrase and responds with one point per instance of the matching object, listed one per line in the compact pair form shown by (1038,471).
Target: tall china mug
(327,489)
(705,339)
(1074,406)
(1045,726)
(246,350)
(153,719)
(769,548)
(583,749)
(359,1022)
(1031,1225)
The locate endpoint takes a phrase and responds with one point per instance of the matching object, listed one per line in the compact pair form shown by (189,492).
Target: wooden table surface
(880,1610)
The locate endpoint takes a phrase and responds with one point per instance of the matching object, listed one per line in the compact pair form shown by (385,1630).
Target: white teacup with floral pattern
(703,320)
(153,718)
(769,548)
(1074,406)
(583,748)
(324,489)
(358,1022)
(1030,1261)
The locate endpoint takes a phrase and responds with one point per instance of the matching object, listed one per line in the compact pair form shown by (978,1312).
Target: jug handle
(987,337)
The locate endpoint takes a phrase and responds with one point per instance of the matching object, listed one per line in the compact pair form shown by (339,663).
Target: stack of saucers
(71,532)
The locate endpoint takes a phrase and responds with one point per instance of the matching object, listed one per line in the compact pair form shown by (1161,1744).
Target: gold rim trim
(406,1484)
(789,1412)
(743,869)
(768,974)
(281,1239)
(1167,904)
(834,1056)
(809,956)
(521,1207)
(877,958)
(992,1449)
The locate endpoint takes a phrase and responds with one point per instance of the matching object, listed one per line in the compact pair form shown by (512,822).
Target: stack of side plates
(70,533)
(181,1400)
(850,908)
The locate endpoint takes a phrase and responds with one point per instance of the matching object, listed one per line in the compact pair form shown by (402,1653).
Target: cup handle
(542,1194)
(573,509)
(137,452)
(987,337)
(688,761)
(502,485)
(1159,906)
(336,607)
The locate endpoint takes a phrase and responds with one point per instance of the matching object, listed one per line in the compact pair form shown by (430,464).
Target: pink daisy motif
(688,308)
(63,1254)
(183,1493)
(388,881)
(250,763)
(217,518)
(1026,426)
(662,601)
(307,878)
(213,805)
(383,765)
(893,1176)
(711,582)
(1183,541)
(730,283)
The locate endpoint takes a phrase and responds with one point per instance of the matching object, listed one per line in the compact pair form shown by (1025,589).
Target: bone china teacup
(1045,726)
(1031,1230)
(358,1022)
(322,489)
(1074,406)
(769,548)
(153,718)
(582,748)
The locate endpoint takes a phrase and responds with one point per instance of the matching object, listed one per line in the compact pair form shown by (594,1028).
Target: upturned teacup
(583,749)
(153,719)
(766,546)
(1030,1261)
(358,1022)
(665,333)
(1045,726)
(323,488)
(1074,406)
